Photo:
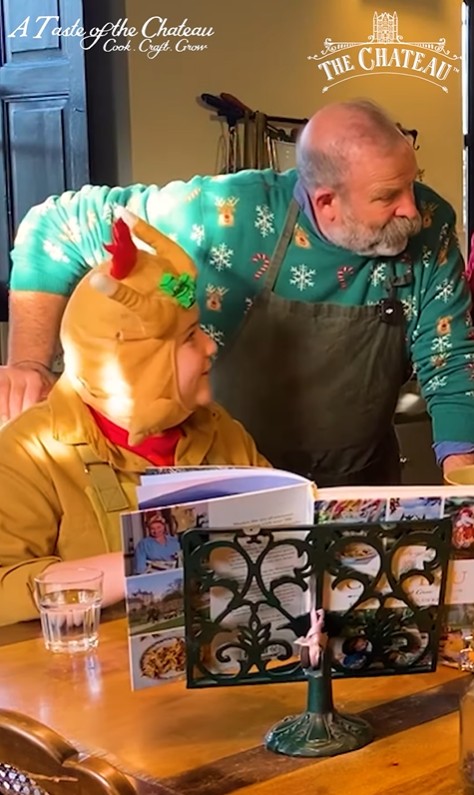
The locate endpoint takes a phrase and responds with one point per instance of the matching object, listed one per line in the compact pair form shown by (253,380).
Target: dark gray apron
(316,385)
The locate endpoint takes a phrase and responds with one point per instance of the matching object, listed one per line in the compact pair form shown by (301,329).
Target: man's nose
(407,208)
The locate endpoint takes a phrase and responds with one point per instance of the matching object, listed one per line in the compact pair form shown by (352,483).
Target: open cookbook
(170,502)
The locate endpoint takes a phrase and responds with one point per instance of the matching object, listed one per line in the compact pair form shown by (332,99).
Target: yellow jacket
(50,506)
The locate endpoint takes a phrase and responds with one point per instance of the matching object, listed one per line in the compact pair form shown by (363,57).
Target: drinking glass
(69,602)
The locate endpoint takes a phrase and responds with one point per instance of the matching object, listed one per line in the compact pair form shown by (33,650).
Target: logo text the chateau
(386,52)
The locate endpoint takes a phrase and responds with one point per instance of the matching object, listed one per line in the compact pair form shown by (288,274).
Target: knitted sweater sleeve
(442,341)
(59,240)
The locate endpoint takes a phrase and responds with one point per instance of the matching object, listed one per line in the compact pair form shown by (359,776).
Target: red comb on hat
(123,250)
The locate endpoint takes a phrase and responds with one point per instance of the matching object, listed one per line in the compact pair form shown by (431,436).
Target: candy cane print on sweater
(342,273)
(265,260)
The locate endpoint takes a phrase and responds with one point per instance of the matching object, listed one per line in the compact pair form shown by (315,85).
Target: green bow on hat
(182,288)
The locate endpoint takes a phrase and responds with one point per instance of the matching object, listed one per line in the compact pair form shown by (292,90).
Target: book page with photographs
(153,559)
(409,504)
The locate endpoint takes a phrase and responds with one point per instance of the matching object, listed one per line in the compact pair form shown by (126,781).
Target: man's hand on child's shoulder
(21,386)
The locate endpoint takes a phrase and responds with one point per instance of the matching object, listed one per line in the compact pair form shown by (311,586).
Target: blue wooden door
(43,130)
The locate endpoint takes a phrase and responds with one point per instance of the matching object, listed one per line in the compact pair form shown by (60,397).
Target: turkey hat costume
(122,326)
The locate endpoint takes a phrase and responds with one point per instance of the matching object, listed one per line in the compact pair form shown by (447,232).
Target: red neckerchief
(158,450)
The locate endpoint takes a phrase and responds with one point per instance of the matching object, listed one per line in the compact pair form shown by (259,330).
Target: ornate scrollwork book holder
(311,603)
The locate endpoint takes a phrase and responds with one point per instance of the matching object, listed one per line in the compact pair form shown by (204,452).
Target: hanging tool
(261,134)
(232,115)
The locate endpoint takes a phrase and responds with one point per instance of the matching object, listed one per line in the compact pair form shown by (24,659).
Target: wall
(259,53)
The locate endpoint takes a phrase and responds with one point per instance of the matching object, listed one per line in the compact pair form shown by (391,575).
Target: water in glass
(70,619)
(70,609)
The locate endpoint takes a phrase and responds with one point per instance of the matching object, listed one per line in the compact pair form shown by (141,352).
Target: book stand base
(321,730)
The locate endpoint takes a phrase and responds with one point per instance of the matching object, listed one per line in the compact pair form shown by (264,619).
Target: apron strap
(104,480)
(393,281)
(281,246)
(391,308)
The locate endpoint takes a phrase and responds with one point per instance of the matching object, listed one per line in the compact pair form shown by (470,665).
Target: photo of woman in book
(159,548)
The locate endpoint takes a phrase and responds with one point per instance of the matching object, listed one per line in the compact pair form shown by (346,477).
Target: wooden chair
(54,764)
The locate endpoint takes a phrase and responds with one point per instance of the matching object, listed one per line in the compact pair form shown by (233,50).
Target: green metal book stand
(312,603)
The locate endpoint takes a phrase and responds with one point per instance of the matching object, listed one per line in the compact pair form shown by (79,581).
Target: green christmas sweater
(229,225)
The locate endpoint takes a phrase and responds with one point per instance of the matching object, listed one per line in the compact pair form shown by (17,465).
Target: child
(135,391)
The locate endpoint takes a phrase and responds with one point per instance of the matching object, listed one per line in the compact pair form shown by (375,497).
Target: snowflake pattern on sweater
(229,225)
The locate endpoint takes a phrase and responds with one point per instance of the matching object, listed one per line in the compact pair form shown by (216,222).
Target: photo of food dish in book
(157,657)
(452,642)
(357,553)
(163,659)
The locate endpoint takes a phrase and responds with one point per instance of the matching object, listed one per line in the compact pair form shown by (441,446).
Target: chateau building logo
(386,52)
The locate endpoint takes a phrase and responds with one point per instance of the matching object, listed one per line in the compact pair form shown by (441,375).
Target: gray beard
(386,242)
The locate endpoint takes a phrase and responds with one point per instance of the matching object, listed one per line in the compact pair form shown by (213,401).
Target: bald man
(324,288)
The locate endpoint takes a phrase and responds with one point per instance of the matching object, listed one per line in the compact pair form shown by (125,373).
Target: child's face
(193,365)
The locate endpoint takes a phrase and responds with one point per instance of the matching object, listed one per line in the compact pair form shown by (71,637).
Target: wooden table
(208,742)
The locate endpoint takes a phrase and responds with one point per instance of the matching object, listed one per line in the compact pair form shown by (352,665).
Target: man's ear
(325,203)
